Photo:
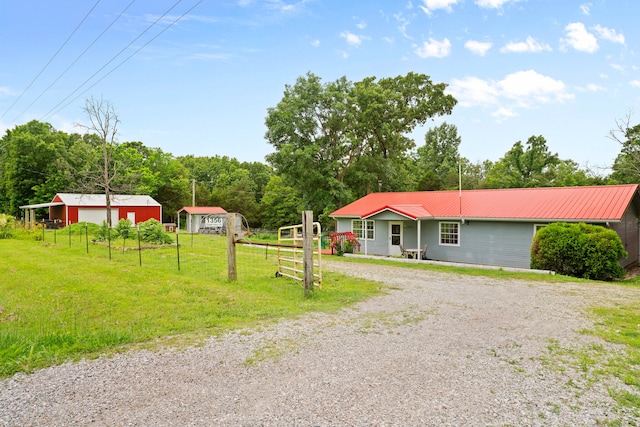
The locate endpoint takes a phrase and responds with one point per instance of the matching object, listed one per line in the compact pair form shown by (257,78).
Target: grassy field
(59,303)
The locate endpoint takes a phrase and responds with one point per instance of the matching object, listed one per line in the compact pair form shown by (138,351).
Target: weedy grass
(60,301)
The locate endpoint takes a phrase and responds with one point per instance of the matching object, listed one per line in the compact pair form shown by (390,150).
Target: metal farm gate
(290,253)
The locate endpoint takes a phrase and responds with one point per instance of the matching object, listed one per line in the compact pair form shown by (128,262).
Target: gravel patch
(436,350)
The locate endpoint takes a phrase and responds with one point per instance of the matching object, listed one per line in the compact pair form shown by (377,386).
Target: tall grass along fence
(189,253)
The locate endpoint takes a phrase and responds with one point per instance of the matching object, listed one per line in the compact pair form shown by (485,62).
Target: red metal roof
(204,210)
(595,203)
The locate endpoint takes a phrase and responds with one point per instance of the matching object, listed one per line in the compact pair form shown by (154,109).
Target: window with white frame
(450,233)
(537,227)
(363,227)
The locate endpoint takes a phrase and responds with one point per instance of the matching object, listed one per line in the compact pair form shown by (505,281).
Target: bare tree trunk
(103,121)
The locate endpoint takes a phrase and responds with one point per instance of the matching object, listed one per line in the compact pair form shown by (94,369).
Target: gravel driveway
(437,349)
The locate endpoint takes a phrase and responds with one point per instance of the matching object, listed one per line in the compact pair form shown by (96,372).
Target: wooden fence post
(307,251)
(231,247)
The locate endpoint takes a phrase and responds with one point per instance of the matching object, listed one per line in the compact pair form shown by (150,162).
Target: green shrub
(123,230)
(579,250)
(102,233)
(152,231)
(81,228)
(6,226)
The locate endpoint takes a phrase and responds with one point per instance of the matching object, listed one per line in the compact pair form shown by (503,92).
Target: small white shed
(200,217)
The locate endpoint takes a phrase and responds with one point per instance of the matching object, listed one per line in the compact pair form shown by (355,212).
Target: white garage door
(97,216)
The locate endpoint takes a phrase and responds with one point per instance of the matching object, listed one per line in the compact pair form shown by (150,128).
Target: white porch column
(419,233)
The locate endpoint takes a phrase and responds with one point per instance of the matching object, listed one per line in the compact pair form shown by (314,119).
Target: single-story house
(203,219)
(487,227)
(69,208)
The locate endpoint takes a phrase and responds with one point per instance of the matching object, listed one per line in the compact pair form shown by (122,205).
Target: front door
(395,237)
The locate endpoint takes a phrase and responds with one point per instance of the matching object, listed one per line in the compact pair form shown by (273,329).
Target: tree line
(333,143)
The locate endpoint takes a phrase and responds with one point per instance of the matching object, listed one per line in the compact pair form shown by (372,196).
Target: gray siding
(505,244)
(628,231)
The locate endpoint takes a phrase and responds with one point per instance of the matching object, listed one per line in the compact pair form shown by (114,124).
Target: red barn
(66,208)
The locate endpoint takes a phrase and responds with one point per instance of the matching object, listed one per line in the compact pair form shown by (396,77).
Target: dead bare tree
(628,136)
(103,122)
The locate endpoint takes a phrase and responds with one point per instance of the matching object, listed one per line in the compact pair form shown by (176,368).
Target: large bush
(152,231)
(579,250)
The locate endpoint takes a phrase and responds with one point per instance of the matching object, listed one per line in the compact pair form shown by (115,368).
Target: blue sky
(196,77)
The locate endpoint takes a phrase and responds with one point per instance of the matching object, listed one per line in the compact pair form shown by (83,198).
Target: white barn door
(97,216)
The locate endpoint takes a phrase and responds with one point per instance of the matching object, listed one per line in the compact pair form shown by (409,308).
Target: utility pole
(193,192)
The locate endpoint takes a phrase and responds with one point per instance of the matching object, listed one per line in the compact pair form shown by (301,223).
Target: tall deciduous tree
(335,141)
(280,205)
(524,166)
(437,160)
(28,161)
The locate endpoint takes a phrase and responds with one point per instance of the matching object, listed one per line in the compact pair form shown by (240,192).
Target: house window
(364,227)
(450,233)
(537,227)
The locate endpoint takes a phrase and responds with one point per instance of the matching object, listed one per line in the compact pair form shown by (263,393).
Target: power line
(76,60)
(56,109)
(50,60)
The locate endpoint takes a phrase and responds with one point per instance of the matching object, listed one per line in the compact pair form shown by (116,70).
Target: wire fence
(195,255)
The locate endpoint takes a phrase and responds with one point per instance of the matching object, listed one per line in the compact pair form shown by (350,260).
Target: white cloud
(315,43)
(525,86)
(352,39)
(503,113)
(283,7)
(586,8)
(361,25)
(431,5)
(477,47)
(579,38)
(635,83)
(531,45)
(5,91)
(211,56)
(402,25)
(493,4)
(434,49)
(591,87)
(523,89)
(609,34)
(473,91)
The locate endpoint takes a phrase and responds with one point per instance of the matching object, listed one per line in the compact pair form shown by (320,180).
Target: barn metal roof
(41,205)
(593,203)
(204,210)
(73,199)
